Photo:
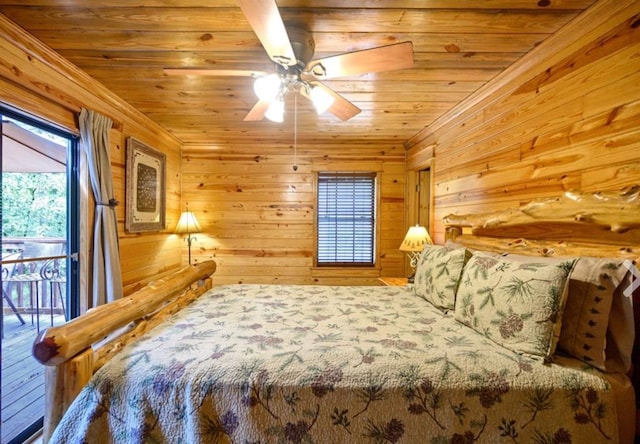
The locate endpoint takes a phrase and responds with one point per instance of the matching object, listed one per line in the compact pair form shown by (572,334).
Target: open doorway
(424,198)
(39,259)
(419,197)
(419,201)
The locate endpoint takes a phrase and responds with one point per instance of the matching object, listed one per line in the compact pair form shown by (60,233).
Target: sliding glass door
(39,260)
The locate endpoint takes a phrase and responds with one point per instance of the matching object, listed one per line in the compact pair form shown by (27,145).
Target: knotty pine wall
(258,215)
(37,81)
(567,116)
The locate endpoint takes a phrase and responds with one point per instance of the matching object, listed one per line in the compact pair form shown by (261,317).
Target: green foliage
(34,204)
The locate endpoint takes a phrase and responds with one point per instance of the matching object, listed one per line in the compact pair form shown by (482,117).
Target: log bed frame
(575,224)
(73,352)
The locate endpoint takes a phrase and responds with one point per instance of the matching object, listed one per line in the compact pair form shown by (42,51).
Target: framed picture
(145,182)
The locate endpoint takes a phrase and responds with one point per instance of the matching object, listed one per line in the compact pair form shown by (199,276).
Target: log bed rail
(73,352)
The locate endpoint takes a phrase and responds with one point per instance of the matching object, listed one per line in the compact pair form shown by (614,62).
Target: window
(346,219)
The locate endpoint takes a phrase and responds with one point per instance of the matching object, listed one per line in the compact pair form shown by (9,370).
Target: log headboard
(573,225)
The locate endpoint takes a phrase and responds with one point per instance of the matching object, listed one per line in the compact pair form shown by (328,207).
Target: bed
(506,335)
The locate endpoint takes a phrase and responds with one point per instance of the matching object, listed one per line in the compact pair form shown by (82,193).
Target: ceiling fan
(291,47)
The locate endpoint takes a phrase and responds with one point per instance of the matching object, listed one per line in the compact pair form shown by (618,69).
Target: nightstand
(393,281)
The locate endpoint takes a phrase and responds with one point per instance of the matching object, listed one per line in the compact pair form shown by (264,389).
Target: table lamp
(413,244)
(188,224)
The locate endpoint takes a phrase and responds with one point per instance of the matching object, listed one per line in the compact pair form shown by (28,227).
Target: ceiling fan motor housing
(303,45)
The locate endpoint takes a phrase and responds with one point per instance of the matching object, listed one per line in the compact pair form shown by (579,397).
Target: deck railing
(33,296)
(33,279)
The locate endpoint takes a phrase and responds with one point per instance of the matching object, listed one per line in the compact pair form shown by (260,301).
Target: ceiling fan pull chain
(295,133)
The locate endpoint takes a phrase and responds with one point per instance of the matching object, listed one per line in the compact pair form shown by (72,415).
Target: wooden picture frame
(145,188)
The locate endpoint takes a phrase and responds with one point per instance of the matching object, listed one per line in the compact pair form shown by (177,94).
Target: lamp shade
(188,223)
(415,239)
(321,99)
(267,87)
(275,112)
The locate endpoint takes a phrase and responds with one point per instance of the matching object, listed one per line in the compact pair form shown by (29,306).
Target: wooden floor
(22,376)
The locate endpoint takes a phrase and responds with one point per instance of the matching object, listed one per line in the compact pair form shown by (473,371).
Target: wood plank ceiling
(459,45)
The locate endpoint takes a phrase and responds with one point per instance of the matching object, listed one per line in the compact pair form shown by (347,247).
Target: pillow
(438,273)
(595,296)
(517,304)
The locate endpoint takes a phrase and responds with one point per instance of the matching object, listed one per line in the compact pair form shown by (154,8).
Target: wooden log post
(62,384)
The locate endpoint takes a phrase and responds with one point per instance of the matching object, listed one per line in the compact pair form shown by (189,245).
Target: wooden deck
(22,376)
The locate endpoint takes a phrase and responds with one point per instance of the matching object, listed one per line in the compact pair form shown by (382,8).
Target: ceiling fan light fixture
(321,99)
(267,87)
(275,112)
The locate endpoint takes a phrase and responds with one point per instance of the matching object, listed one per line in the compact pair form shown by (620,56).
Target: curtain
(107,280)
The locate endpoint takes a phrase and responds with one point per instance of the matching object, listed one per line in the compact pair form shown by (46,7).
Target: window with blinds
(346,219)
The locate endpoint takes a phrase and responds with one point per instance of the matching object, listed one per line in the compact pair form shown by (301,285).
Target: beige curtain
(94,136)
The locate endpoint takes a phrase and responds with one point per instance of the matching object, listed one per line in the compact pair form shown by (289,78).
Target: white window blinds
(346,219)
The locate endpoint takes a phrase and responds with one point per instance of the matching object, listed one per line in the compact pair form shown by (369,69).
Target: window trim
(341,266)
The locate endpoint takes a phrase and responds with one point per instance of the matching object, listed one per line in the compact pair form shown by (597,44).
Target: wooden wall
(256,212)
(566,116)
(37,81)
(258,215)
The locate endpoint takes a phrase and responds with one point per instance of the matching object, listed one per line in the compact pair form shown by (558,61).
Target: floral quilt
(319,364)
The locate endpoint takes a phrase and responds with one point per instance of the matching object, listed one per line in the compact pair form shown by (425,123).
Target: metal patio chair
(8,270)
(33,275)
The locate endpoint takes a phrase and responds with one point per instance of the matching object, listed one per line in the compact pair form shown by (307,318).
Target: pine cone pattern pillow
(515,304)
(438,275)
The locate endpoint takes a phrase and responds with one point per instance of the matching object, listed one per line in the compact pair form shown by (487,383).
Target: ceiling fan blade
(257,112)
(341,107)
(382,58)
(265,19)
(213,72)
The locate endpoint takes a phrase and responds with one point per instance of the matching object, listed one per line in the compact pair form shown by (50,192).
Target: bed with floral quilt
(255,363)
(483,347)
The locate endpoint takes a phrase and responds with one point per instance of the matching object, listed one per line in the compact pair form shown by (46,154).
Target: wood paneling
(459,46)
(258,215)
(566,118)
(514,99)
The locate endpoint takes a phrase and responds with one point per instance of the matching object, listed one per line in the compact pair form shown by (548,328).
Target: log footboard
(73,352)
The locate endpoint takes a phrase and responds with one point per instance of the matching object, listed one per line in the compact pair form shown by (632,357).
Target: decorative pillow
(595,290)
(515,304)
(595,296)
(438,273)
